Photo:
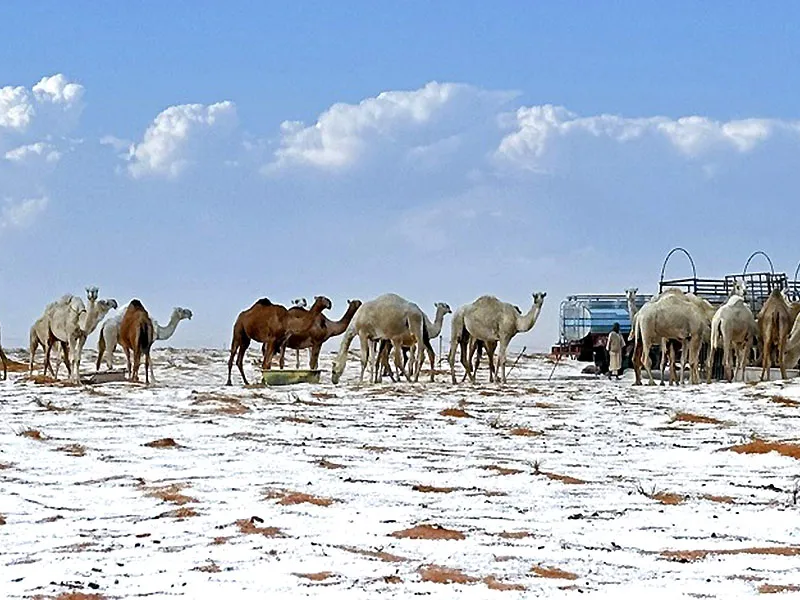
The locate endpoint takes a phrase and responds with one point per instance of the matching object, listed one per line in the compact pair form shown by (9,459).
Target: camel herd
(68,321)
(676,316)
(384,325)
(390,325)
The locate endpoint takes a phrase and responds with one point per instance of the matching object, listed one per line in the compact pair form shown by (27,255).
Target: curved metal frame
(765,255)
(673,251)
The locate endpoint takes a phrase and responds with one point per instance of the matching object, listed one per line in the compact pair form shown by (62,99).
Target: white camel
(671,316)
(733,327)
(388,317)
(491,321)
(39,334)
(109,334)
(430,333)
(71,322)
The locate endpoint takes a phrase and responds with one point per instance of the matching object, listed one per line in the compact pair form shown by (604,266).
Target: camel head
(321,303)
(91,293)
(106,305)
(182,313)
(299,302)
(336,372)
(739,288)
(443,307)
(354,305)
(631,293)
(538,298)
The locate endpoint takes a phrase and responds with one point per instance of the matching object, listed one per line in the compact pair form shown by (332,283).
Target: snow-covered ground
(567,487)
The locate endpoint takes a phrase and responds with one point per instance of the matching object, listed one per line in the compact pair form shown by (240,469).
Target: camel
(109,334)
(792,351)
(4,360)
(734,328)
(489,320)
(299,324)
(70,321)
(773,325)
(263,322)
(431,332)
(301,303)
(39,333)
(137,334)
(322,330)
(389,317)
(672,317)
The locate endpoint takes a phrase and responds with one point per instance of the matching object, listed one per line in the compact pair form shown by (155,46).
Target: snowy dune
(572,487)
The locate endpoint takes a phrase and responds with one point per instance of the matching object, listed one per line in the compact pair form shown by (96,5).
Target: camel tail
(145,337)
(716,332)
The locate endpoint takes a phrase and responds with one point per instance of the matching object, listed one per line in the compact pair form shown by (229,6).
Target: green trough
(290,376)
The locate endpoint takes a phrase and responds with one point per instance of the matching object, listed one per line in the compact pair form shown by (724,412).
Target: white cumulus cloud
(537,128)
(40,151)
(22,213)
(55,101)
(177,136)
(346,132)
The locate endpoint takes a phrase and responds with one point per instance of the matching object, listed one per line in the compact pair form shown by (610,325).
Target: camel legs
(364,343)
(313,360)
(766,353)
(4,359)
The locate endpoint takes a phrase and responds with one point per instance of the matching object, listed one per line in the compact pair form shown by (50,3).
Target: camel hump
(264,302)
(137,304)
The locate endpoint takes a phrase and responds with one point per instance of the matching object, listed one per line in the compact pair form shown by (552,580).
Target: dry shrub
(72,596)
(784,400)
(16,367)
(163,443)
(692,555)
(685,417)
(49,406)
(248,526)
(219,540)
(170,493)
(229,405)
(2,520)
(437,574)
(288,498)
(661,496)
(494,584)
(73,449)
(211,567)
(759,446)
(47,380)
(392,579)
(768,588)
(562,478)
(552,573)
(321,576)
(514,535)
(302,420)
(33,434)
(544,405)
(720,499)
(429,532)
(434,489)
(326,464)
(5,465)
(72,548)
(501,470)
(179,513)
(455,412)
(380,554)
(323,395)
(524,431)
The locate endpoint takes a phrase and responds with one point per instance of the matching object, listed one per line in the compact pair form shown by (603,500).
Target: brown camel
(300,323)
(321,331)
(263,322)
(4,358)
(137,334)
(774,324)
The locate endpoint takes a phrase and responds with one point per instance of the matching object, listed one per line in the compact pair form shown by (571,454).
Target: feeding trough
(290,376)
(104,377)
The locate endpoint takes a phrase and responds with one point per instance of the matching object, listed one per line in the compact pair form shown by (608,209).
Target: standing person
(614,345)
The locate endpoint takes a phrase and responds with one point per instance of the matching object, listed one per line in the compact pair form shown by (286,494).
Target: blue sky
(189,155)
